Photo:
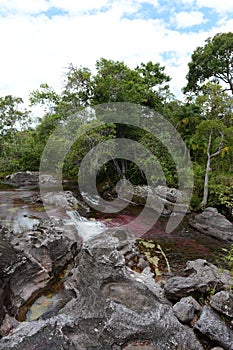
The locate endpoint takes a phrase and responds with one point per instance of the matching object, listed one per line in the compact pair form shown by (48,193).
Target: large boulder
(162,199)
(63,199)
(113,307)
(22,179)
(30,179)
(201,277)
(31,261)
(210,324)
(214,224)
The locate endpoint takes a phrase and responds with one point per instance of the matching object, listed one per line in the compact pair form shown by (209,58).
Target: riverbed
(20,211)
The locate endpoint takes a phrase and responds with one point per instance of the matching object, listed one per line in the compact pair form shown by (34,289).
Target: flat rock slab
(213,224)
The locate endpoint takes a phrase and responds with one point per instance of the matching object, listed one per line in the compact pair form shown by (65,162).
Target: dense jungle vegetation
(204,119)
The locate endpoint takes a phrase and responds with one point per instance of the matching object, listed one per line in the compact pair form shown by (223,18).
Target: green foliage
(116,82)
(207,113)
(213,60)
(229,256)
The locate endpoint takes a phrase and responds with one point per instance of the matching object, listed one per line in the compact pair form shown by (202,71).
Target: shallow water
(19,212)
(184,243)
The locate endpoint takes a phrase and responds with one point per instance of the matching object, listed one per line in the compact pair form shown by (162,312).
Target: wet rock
(22,178)
(113,306)
(202,276)
(30,179)
(223,302)
(213,224)
(29,263)
(8,261)
(8,324)
(44,254)
(171,194)
(2,311)
(161,199)
(185,309)
(63,199)
(211,325)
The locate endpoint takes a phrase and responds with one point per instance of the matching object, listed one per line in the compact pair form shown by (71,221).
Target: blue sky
(39,38)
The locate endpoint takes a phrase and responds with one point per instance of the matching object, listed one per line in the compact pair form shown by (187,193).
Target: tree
(213,60)
(213,131)
(215,108)
(116,82)
(13,118)
(78,89)
(214,103)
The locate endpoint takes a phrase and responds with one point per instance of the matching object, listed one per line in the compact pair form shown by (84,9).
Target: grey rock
(40,335)
(202,276)
(63,199)
(171,194)
(185,309)
(114,306)
(162,199)
(223,302)
(142,263)
(214,224)
(140,346)
(211,325)
(22,178)
(30,261)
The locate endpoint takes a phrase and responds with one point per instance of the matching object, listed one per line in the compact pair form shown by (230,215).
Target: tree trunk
(206,183)
(209,157)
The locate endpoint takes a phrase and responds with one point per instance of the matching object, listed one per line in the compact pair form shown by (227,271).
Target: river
(20,211)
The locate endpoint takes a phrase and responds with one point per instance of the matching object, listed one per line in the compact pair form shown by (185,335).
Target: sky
(39,38)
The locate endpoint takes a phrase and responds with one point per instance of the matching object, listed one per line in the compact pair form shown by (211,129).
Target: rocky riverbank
(111,295)
(110,305)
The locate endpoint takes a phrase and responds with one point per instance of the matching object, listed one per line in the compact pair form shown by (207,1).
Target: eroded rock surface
(202,277)
(22,178)
(211,324)
(186,308)
(162,199)
(223,302)
(30,261)
(112,306)
(214,224)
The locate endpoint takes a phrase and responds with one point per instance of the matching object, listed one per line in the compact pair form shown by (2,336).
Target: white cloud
(219,6)
(23,6)
(36,49)
(187,2)
(188,19)
(70,6)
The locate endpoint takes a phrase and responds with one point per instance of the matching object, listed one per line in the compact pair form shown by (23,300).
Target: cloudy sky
(39,38)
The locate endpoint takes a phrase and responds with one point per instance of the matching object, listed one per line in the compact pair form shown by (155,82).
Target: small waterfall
(87,229)
(75,216)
